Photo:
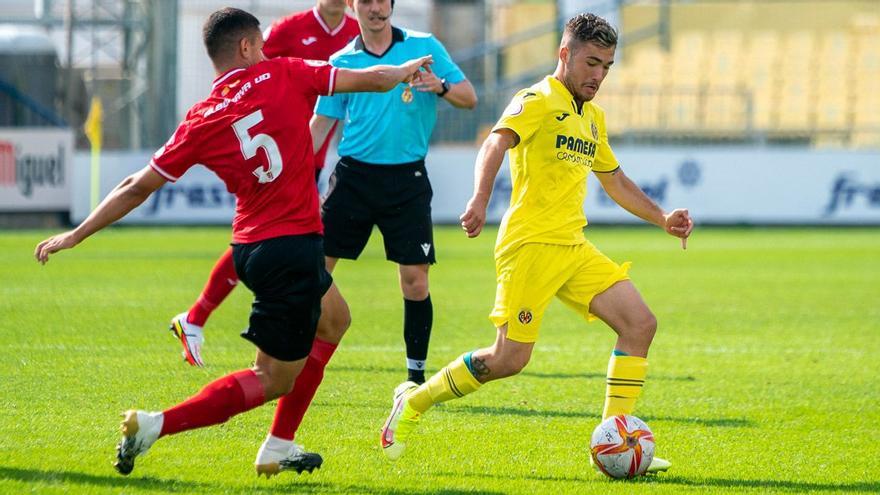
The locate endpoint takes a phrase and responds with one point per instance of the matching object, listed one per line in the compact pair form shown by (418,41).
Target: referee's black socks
(418,317)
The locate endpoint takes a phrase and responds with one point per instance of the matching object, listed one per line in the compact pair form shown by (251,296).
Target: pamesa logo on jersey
(575,150)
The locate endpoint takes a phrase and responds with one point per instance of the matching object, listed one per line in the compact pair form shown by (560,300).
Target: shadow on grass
(663,479)
(280,485)
(529,374)
(518,411)
(602,376)
(761,485)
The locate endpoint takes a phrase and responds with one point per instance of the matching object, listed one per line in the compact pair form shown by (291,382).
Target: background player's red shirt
(253,132)
(306,35)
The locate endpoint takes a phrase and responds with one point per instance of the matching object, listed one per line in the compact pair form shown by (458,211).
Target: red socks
(221,282)
(242,391)
(215,403)
(292,407)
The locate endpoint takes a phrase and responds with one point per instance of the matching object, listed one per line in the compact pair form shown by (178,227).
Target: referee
(380,179)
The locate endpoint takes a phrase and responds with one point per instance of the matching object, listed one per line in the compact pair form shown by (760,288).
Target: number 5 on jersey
(250,145)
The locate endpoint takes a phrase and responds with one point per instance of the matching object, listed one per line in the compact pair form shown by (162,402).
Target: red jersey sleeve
(314,76)
(176,156)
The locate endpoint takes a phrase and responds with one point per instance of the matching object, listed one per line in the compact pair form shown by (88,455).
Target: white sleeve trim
(162,172)
(332,81)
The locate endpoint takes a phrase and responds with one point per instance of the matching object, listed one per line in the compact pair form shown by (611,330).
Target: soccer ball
(622,446)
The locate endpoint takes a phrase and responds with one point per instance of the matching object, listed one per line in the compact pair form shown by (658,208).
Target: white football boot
(658,465)
(276,455)
(140,429)
(191,337)
(397,427)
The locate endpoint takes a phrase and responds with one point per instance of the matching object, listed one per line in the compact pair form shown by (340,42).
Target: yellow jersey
(558,146)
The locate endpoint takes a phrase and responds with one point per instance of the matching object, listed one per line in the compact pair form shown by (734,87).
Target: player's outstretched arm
(628,195)
(460,94)
(485,170)
(130,193)
(380,78)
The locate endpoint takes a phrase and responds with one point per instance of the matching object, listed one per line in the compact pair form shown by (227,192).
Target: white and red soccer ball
(622,446)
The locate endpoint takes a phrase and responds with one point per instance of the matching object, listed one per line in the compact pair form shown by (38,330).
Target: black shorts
(288,279)
(396,198)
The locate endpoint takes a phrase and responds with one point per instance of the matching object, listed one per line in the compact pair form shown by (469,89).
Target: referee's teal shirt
(393,127)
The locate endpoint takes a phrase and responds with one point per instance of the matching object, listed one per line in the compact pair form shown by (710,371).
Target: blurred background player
(260,146)
(312,34)
(556,137)
(380,179)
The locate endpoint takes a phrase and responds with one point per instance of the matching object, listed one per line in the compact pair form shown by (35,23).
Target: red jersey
(306,35)
(253,132)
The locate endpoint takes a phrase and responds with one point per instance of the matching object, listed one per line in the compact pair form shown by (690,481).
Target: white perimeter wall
(725,186)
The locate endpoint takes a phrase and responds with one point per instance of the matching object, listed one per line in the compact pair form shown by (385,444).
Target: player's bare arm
(381,78)
(627,194)
(320,127)
(131,192)
(460,94)
(488,163)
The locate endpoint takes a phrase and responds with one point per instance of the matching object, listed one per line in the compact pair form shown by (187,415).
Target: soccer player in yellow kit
(556,136)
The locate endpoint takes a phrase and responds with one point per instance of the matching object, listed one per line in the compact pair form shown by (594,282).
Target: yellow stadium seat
(833,111)
(644,108)
(794,105)
(687,59)
(725,110)
(724,58)
(616,106)
(681,110)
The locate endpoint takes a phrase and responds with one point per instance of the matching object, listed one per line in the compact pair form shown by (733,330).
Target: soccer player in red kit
(259,144)
(312,34)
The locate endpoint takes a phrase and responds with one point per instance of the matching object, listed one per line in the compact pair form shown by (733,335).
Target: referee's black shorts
(288,279)
(395,198)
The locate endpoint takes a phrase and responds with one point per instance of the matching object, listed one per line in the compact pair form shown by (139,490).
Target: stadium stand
(819,87)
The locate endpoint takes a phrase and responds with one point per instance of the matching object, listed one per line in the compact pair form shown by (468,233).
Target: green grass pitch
(764,376)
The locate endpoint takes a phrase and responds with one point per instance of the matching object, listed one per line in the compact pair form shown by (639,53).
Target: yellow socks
(452,382)
(626,375)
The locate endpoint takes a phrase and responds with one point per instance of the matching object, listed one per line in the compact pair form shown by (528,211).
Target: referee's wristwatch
(445,84)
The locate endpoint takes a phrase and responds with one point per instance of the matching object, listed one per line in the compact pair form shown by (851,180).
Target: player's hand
(680,224)
(54,244)
(474,217)
(428,82)
(414,68)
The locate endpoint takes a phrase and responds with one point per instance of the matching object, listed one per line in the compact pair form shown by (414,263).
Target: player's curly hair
(224,28)
(590,28)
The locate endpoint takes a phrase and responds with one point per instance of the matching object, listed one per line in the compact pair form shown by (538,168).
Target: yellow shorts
(532,274)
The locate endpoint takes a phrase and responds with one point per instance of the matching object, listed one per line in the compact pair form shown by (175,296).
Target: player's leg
(602,289)
(525,288)
(302,302)
(418,319)
(287,277)
(188,326)
(335,320)
(623,309)
(215,403)
(404,218)
(463,376)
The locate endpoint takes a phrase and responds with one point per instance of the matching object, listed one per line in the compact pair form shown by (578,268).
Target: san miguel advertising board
(35,169)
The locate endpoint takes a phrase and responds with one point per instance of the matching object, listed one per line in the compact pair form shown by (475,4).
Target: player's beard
(577,90)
